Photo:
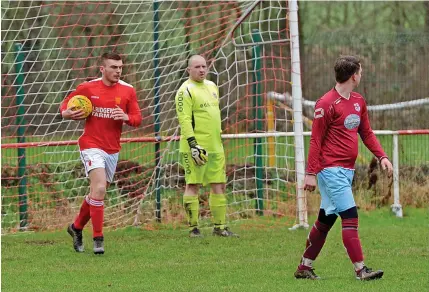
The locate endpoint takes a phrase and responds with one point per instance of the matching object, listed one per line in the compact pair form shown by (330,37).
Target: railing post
(157,125)
(396,206)
(22,186)
(257,101)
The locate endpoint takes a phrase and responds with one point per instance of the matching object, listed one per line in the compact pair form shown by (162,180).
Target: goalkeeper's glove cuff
(192,142)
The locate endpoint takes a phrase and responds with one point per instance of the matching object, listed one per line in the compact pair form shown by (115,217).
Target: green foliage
(388,36)
(362,16)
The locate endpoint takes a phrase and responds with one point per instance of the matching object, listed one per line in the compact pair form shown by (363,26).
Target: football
(82,102)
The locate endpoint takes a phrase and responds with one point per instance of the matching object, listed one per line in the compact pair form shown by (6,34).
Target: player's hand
(118,114)
(386,165)
(198,153)
(70,114)
(309,182)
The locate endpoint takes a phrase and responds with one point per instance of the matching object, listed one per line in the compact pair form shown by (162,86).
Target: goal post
(297,114)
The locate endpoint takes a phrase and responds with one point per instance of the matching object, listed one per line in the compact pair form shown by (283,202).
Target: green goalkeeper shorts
(211,172)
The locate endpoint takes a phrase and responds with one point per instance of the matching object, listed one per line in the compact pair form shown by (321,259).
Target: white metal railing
(287,98)
(396,206)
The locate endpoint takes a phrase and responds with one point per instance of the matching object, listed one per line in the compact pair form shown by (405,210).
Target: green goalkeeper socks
(218,209)
(192,206)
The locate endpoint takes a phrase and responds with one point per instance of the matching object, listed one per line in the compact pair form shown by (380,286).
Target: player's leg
(88,157)
(191,204)
(83,216)
(314,244)
(75,229)
(192,208)
(353,245)
(347,210)
(100,177)
(342,197)
(215,176)
(218,202)
(97,177)
(318,233)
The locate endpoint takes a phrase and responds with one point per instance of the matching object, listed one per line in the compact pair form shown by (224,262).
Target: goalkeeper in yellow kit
(201,149)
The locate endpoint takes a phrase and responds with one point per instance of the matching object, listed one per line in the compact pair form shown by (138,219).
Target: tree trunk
(426,8)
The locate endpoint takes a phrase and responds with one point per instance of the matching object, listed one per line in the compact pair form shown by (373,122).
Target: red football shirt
(336,123)
(101,130)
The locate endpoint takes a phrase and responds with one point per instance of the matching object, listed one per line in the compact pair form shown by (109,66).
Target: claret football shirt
(336,124)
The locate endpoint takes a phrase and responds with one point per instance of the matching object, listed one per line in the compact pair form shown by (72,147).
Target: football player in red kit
(114,102)
(339,116)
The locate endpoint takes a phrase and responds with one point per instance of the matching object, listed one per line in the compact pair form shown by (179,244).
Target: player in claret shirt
(339,116)
(114,102)
(201,149)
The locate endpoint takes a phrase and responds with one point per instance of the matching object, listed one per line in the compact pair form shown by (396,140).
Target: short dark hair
(345,67)
(110,56)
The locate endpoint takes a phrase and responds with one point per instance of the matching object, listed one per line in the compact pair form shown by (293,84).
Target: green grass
(263,259)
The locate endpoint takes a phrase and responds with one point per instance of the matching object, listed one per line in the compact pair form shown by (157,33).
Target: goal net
(48,48)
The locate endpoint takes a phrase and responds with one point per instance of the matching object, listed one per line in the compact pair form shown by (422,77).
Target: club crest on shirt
(319,113)
(352,121)
(214,95)
(357,107)
(118,100)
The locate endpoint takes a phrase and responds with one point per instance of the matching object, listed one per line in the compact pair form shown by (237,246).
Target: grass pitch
(263,259)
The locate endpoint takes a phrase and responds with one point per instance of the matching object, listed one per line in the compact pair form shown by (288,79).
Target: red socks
(317,238)
(351,239)
(83,216)
(94,210)
(315,241)
(97,216)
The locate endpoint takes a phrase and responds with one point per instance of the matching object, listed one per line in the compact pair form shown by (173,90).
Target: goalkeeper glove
(198,153)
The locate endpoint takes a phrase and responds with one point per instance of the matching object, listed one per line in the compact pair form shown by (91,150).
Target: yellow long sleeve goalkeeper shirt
(197,107)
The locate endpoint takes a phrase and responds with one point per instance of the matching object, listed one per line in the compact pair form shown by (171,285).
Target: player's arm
(133,116)
(371,142)
(322,115)
(184,114)
(69,113)
(217,90)
(367,135)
